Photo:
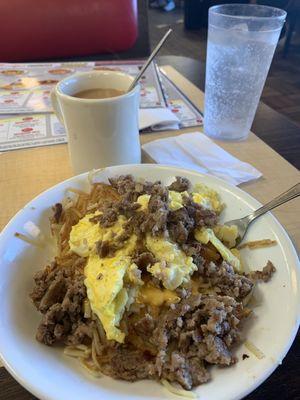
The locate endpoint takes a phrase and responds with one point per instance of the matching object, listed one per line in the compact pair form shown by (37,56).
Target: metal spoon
(243,223)
(152,55)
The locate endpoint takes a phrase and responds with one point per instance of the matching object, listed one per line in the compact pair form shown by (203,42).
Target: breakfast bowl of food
(125,283)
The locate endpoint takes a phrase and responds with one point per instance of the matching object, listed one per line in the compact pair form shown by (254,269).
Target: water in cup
(238,60)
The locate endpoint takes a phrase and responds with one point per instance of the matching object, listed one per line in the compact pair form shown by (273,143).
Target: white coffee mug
(101,132)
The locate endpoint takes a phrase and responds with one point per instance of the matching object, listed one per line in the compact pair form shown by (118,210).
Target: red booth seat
(41,29)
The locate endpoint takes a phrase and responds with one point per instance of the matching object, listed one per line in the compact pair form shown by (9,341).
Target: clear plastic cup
(241,43)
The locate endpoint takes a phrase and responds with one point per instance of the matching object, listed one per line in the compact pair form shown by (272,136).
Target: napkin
(157,119)
(196,151)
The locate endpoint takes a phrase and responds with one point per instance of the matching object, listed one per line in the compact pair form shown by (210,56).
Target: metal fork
(243,223)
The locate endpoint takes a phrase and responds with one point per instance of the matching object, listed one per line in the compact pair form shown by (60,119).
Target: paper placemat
(25,89)
(35,130)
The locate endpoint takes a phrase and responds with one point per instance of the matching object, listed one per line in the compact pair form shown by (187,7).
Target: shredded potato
(68,203)
(92,173)
(34,242)
(77,191)
(90,368)
(77,212)
(82,347)
(248,298)
(256,244)
(94,355)
(100,329)
(96,341)
(87,309)
(254,350)
(179,392)
(76,352)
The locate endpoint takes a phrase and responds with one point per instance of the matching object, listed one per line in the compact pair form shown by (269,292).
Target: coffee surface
(98,93)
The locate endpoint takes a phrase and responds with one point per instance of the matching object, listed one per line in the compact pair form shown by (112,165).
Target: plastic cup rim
(281,13)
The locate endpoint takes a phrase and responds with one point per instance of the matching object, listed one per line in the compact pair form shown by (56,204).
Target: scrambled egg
(134,275)
(174,267)
(114,283)
(207,197)
(85,234)
(108,298)
(227,234)
(105,276)
(176,199)
(201,194)
(205,235)
(143,200)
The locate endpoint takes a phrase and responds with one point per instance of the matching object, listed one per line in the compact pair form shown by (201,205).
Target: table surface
(26,173)
(278,131)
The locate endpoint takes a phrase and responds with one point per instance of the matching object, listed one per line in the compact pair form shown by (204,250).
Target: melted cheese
(156,297)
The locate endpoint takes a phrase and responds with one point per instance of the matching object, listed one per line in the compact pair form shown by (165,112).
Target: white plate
(48,374)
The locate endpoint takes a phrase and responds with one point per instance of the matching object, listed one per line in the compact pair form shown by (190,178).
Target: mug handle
(56,106)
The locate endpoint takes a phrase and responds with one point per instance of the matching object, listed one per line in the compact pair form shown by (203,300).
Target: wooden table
(26,173)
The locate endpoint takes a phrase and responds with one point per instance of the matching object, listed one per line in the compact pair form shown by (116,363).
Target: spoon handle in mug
(152,55)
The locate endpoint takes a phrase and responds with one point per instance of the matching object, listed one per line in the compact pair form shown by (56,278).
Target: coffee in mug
(98,93)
